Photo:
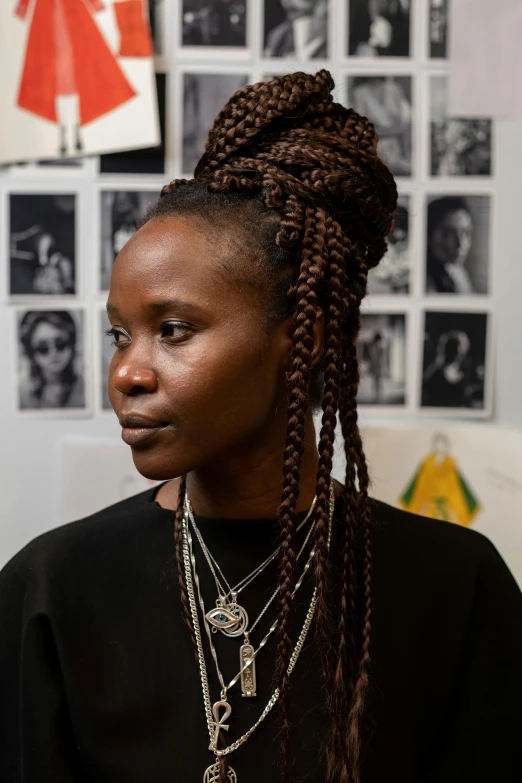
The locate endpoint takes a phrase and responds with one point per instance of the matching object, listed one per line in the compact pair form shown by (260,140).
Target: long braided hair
(325,204)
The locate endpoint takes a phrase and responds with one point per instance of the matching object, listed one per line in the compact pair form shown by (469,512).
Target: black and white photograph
(150,160)
(42,244)
(203,96)
(458,147)
(51,360)
(438,28)
(106,350)
(121,212)
(381,350)
(217,23)
(457,244)
(296,29)
(158,25)
(379,28)
(392,273)
(387,102)
(454,361)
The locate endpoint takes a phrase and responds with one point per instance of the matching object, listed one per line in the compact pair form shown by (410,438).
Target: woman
(49,342)
(450,237)
(235,311)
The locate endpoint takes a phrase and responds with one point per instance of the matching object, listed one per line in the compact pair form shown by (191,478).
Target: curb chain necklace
(229,617)
(215,721)
(247,653)
(230,614)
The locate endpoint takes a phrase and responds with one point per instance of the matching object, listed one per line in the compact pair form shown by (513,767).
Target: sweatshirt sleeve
(36,739)
(481,740)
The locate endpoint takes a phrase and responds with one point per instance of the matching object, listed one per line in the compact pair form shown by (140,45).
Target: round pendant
(230,619)
(212,774)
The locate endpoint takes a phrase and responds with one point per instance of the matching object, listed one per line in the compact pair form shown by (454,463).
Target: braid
(325,202)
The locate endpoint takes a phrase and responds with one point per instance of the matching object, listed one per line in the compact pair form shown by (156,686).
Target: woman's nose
(130,376)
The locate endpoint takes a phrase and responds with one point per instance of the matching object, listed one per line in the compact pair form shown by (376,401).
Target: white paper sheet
(77,78)
(485,53)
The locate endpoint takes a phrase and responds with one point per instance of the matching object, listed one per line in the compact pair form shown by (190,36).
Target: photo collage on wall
(425,344)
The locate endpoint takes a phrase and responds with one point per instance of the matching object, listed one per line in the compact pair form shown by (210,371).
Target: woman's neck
(250,490)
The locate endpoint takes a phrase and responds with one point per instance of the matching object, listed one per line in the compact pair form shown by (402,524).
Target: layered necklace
(231,619)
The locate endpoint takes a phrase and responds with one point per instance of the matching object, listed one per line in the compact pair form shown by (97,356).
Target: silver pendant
(212,774)
(229,618)
(219,723)
(248,674)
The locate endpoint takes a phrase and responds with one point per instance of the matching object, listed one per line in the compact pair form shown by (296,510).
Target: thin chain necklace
(247,653)
(226,596)
(216,722)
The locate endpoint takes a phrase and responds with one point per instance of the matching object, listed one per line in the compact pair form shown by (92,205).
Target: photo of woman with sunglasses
(51,372)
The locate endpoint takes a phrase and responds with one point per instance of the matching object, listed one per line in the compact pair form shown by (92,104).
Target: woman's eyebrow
(158,307)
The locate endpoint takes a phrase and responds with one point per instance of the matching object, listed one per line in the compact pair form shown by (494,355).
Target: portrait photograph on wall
(438,17)
(455,362)
(387,102)
(392,273)
(51,360)
(120,211)
(147,160)
(215,23)
(381,351)
(42,244)
(379,28)
(458,244)
(77,78)
(458,147)
(296,29)
(203,96)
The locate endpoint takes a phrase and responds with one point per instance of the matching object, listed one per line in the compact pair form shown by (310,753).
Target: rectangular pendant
(248,676)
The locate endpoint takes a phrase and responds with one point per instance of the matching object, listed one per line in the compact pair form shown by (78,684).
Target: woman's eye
(175,329)
(119,337)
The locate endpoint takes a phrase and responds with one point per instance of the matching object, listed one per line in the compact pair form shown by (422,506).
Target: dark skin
(206,369)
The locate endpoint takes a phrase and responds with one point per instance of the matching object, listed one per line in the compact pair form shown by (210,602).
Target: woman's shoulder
(435,557)
(86,541)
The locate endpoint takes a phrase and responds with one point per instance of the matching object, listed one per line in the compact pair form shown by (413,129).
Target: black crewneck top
(99,684)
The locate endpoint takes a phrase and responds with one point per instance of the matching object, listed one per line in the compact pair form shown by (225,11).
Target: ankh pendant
(219,723)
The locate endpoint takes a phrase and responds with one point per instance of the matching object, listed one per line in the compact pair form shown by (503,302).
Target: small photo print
(51,360)
(381,351)
(454,361)
(105,353)
(392,273)
(157,20)
(296,29)
(214,22)
(150,160)
(42,244)
(121,212)
(204,95)
(458,147)
(438,28)
(457,244)
(387,102)
(379,29)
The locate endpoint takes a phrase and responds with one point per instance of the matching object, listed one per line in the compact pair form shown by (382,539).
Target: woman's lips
(134,435)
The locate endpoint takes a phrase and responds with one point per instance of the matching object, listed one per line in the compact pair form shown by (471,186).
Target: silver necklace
(216,722)
(229,616)
(247,653)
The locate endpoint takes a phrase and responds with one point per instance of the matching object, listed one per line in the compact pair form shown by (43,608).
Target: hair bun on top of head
(288,135)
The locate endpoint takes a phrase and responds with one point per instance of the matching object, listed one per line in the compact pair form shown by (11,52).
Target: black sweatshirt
(98,680)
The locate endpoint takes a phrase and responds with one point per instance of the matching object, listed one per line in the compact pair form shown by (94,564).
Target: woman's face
(193,355)
(52,350)
(452,238)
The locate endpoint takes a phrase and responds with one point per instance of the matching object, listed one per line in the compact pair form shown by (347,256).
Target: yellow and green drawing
(439,490)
